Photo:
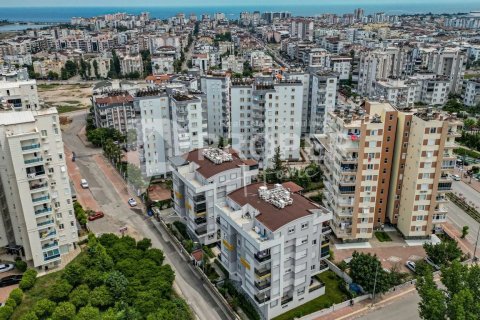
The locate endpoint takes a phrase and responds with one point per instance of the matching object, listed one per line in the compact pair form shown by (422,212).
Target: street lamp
(476,244)
(374,285)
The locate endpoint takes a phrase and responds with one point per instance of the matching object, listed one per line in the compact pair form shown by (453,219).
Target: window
(304,225)
(61,226)
(433,130)
(291,230)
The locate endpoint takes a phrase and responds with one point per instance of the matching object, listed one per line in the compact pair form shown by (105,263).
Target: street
(402,308)
(110,194)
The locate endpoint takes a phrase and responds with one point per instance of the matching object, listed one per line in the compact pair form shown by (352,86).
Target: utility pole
(374,285)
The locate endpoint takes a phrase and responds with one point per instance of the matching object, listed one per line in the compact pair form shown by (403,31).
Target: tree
(101,297)
(20,265)
(88,313)
(144,244)
(29,316)
(52,75)
(60,290)
(155,255)
(6,312)
(75,271)
(80,295)
(364,268)
(95,69)
(28,279)
(464,232)
(117,283)
(221,142)
(443,253)
(64,311)
(469,123)
(460,297)
(16,295)
(44,308)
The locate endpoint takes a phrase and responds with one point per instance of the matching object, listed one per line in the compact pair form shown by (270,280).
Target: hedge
(28,279)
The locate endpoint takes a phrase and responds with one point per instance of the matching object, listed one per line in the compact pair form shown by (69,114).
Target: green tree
(469,123)
(60,290)
(101,297)
(364,268)
(95,69)
(155,255)
(144,244)
(88,313)
(29,316)
(432,305)
(16,295)
(443,253)
(28,279)
(221,143)
(80,295)
(117,283)
(20,265)
(74,271)
(64,311)
(6,312)
(464,232)
(44,308)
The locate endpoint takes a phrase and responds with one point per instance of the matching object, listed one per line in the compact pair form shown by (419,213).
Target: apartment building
(365,161)
(203,178)
(342,66)
(233,64)
(421,171)
(302,29)
(17,92)
(273,243)
(163,64)
(471,92)
(259,60)
(131,63)
(115,110)
(170,123)
(37,218)
(322,101)
(266,114)
(217,91)
(400,93)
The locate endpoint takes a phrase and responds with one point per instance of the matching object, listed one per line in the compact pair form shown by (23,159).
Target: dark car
(96,215)
(10,280)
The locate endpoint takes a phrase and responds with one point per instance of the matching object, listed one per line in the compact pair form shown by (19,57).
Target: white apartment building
(203,178)
(17,92)
(201,61)
(323,100)
(259,60)
(342,66)
(114,110)
(233,64)
(266,114)
(37,218)
(302,29)
(162,65)
(318,58)
(102,67)
(399,93)
(170,124)
(471,92)
(131,63)
(273,244)
(217,91)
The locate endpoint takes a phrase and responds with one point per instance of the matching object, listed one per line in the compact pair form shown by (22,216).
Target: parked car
(456,177)
(10,280)
(132,202)
(84,184)
(430,262)
(6,267)
(96,215)
(410,265)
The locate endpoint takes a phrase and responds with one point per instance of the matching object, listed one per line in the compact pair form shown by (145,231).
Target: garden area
(335,292)
(113,278)
(382,236)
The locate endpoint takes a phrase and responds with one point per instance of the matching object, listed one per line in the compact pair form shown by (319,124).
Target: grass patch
(47,86)
(471,76)
(72,102)
(382,236)
(66,108)
(333,294)
(467,152)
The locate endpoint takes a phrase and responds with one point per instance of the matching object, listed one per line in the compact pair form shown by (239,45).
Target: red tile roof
(114,99)
(270,216)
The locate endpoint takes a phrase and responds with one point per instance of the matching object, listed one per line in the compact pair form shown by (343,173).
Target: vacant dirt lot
(65,97)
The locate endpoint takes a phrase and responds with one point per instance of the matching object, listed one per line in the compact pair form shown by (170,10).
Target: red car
(96,215)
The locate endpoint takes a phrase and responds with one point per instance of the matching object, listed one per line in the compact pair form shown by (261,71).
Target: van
(84,184)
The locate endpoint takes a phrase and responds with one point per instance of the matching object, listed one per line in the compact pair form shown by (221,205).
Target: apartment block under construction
(387,166)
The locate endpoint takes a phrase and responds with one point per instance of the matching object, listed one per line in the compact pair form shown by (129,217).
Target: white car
(84,184)
(132,202)
(456,177)
(6,267)
(410,265)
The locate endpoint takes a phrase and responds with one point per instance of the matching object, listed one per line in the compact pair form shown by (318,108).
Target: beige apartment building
(383,166)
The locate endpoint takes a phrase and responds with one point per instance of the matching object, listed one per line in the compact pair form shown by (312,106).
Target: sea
(63,14)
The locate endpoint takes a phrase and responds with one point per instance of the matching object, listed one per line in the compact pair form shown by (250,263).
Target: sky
(196,3)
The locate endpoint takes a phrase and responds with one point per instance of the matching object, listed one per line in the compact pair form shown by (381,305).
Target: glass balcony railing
(46,235)
(42,211)
(45,223)
(50,245)
(40,199)
(31,146)
(38,186)
(34,160)
(52,257)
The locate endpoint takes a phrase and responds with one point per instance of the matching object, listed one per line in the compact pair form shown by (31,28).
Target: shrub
(44,308)
(60,290)
(21,265)
(10,302)
(17,295)
(6,312)
(28,279)
(64,311)
(29,316)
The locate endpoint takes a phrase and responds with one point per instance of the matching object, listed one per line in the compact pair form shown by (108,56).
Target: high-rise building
(266,114)
(471,92)
(37,218)
(114,110)
(273,243)
(365,163)
(203,178)
(17,92)
(217,91)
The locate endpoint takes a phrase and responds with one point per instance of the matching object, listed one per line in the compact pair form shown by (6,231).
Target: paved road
(459,218)
(401,309)
(468,192)
(104,192)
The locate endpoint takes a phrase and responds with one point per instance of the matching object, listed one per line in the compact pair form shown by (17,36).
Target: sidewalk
(464,244)
(366,306)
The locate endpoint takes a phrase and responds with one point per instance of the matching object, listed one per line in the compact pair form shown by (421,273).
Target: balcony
(262,285)
(34,187)
(35,174)
(286,300)
(33,160)
(50,245)
(262,256)
(441,199)
(439,218)
(45,224)
(41,199)
(445,186)
(262,298)
(218,220)
(201,231)
(45,235)
(262,272)
(43,211)
(326,230)
(51,255)
(315,285)
(200,198)
(30,147)
(200,221)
